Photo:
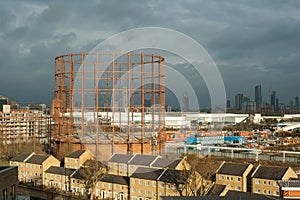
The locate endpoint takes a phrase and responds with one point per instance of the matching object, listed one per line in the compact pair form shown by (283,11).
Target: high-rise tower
(258,97)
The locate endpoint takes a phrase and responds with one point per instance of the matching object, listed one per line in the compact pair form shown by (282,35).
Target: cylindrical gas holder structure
(109,98)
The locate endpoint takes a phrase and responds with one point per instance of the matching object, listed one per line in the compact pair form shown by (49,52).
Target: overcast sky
(252,42)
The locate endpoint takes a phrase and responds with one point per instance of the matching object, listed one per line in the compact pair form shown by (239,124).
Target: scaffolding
(109,98)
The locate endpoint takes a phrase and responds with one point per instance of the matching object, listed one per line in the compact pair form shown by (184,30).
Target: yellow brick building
(236,176)
(264,179)
(76,159)
(34,166)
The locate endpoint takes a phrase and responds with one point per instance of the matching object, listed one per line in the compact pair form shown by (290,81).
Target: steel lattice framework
(109,98)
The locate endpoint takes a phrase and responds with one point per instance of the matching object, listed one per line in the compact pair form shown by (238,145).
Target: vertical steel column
(82,96)
(127,94)
(113,102)
(142,101)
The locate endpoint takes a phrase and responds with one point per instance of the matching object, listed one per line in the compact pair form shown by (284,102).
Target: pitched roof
(60,170)
(217,189)
(143,160)
(37,159)
(174,176)
(76,154)
(20,158)
(147,173)
(78,174)
(269,172)
(122,180)
(166,163)
(236,169)
(120,158)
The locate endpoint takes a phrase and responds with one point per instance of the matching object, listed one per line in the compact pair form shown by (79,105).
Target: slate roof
(122,180)
(217,189)
(94,163)
(268,172)
(147,173)
(143,160)
(235,169)
(21,157)
(60,170)
(174,176)
(37,159)
(120,158)
(76,154)
(78,174)
(166,163)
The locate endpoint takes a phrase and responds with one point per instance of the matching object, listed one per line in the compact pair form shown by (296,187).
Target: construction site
(108,103)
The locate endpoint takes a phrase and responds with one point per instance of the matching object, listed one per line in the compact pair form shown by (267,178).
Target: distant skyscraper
(291,106)
(297,103)
(239,101)
(258,97)
(228,104)
(273,99)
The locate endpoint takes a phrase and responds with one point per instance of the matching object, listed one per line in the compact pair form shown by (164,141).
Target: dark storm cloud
(252,42)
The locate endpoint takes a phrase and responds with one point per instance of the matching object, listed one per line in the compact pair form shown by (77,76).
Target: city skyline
(250,44)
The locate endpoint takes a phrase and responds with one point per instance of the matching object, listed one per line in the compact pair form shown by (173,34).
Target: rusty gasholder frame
(109,98)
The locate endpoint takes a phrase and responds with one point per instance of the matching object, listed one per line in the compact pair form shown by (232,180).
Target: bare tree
(92,172)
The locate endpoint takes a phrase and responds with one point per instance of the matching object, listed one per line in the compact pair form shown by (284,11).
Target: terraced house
(151,183)
(235,176)
(76,159)
(33,167)
(58,178)
(265,179)
(125,165)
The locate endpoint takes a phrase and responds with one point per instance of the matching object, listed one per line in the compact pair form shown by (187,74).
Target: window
(238,179)
(140,182)
(257,191)
(265,182)
(133,181)
(154,194)
(133,190)
(140,191)
(4,194)
(238,188)
(265,191)
(153,184)
(162,185)
(222,177)
(147,192)
(257,181)
(147,183)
